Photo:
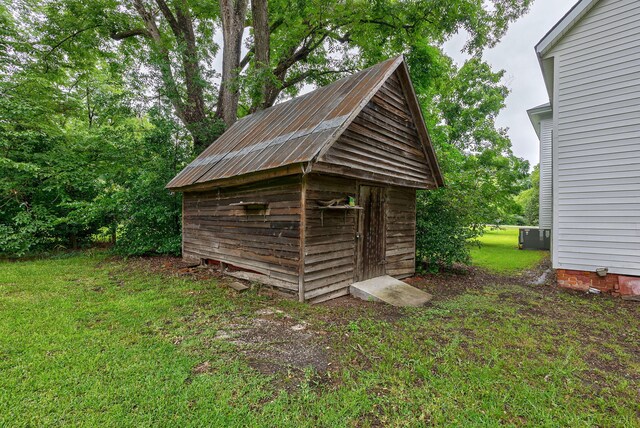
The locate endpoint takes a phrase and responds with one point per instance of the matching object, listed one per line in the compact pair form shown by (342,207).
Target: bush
(443,234)
(152,224)
(28,231)
(150,215)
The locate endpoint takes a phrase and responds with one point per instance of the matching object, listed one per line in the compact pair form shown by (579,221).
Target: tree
(293,44)
(482,175)
(104,101)
(529,199)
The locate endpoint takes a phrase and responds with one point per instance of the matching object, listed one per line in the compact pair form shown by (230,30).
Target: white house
(590,145)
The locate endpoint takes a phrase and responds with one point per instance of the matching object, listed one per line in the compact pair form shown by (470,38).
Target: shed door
(371,232)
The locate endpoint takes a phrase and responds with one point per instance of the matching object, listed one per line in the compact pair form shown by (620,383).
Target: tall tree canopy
(104,99)
(289,43)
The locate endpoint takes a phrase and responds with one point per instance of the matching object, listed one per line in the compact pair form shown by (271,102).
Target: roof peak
(292,133)
(553,36)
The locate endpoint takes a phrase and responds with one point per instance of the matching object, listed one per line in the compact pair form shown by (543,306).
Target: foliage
(499,252)
(104,101)
(75,152)
(481,173)
(442,232)
(529,199)
(151,220)
(170,46)
(113,344)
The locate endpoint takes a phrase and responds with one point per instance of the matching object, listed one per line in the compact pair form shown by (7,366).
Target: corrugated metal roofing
(289,133)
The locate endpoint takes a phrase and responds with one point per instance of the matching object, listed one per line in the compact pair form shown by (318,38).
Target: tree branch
(69,37)
(165,66)
(311,73)
(247,57)
(120,35)
(166,12)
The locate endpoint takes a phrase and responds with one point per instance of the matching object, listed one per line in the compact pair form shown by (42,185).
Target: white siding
(596,155)
(545,214)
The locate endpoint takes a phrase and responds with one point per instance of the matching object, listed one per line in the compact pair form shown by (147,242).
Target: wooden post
(303,222)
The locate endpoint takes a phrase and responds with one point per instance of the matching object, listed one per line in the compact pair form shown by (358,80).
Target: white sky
(516,56)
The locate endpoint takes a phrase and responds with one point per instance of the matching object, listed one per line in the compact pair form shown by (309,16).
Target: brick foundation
(617,285)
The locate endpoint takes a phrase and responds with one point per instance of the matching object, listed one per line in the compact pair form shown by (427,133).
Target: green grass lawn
(499,252)
(87,341)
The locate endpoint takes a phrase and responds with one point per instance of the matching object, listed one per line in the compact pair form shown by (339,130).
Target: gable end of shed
(386,141)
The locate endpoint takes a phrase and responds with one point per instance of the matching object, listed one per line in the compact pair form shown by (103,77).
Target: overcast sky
(516,56)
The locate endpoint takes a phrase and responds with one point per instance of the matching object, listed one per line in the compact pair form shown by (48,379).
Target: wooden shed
(315,193)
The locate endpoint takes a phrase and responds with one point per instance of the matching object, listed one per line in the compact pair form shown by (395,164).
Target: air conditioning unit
(534,238)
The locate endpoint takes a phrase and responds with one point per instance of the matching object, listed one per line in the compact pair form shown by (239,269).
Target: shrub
(443,234)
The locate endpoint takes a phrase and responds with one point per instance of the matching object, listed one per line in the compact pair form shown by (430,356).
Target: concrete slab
(389,290)
(238,286)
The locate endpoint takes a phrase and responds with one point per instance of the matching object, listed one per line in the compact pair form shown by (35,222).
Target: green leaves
(97,113)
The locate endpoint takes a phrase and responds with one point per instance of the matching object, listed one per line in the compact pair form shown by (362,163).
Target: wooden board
(329,238)
(400,232)
(372,233)
(382,144)
(267,240)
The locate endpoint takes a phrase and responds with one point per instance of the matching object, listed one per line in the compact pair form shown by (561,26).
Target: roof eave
(553,36)
(237,180)
(538,113)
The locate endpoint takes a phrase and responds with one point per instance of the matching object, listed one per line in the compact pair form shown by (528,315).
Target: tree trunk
(192,110)
(233,13)
(261,35)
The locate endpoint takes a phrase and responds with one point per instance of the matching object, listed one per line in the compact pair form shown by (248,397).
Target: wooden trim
(303,225)
(293,169)
(257,277)
(418,119)
(373,177)
(357,263)
(182,229)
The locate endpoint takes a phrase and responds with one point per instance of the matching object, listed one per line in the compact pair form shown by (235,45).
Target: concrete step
(389,290)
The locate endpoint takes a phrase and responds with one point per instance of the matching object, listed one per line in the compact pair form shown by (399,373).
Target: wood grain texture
(264,240)
(400,251)
(271,223)
(382,143)
(330,238)
(372,233)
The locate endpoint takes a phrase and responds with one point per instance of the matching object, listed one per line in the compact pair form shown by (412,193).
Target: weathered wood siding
(401,232)
(545,212)
(331,245)
(381,144)
(329,262)
(596,177)
(370,260)
(264,241)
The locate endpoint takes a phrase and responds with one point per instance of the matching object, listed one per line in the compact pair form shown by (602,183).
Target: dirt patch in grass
(273,341)
(313,340)
(345,309)
(172,266)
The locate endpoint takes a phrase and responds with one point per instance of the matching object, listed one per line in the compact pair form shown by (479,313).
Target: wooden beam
(293,169)
(303,224)
(262,279)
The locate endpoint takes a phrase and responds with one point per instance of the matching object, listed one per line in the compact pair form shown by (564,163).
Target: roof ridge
(297,131)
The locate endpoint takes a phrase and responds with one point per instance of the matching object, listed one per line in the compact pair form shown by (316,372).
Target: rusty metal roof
(293,132)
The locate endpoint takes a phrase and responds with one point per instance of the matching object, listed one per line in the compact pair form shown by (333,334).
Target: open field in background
(85,340)
(499,252)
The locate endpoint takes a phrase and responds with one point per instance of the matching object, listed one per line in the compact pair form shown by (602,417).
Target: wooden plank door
(371,233)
